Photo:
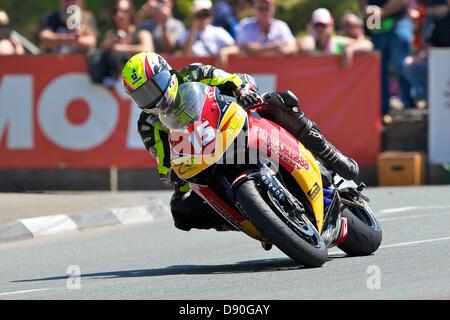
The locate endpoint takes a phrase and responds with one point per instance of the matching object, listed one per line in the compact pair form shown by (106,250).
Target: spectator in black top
(393,37)
(121,42)
(416,70)
(58,35)
(9,45)
(435,10)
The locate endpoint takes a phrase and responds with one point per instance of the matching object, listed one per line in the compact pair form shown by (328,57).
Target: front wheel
(297,239)
(364,231)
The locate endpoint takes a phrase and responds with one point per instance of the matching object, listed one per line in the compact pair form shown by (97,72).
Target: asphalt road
(156,261)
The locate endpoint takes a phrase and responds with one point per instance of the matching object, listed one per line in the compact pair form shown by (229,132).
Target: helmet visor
(150,94)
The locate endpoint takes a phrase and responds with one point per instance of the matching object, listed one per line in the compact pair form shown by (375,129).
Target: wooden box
(397,168)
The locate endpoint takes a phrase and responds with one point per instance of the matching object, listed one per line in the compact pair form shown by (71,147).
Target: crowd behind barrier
(62,120)
(406,29)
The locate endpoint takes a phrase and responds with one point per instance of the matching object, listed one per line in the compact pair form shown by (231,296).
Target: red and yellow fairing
(289,153)
(281,147)
(231,124)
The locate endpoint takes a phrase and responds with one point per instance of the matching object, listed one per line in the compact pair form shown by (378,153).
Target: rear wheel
(364,232)
(295,236)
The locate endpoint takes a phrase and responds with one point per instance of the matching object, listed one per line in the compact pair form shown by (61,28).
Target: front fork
(336,226)
(269,183)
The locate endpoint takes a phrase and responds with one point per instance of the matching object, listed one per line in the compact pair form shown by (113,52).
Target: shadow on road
(251,266)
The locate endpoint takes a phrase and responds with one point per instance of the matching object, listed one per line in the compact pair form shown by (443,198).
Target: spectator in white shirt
(204,39)
(263,34)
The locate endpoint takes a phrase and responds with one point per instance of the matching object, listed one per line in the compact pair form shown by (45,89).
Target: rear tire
(364,232)
(276,230)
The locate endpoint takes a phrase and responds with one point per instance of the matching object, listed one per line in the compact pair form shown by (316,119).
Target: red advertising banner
(52,116)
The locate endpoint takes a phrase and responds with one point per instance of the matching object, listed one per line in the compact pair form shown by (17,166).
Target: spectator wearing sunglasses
(56,36)
(263,34)
(322,38)
(204,39)
(352,27)
(121,42)
(124,38)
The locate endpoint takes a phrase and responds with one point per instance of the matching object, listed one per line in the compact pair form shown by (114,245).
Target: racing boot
(332,158)
(289,115)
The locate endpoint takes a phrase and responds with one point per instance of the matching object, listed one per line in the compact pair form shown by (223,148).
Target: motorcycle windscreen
(187,107)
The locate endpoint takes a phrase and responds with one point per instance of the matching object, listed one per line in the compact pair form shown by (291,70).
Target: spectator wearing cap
(156,16)
(263,34)
(204,39)
(57,36)
(324,40)
(9,45)
(393,37)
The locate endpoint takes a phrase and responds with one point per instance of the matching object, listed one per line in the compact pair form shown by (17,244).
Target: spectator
(394,40)
(416,12)
(9,45)
(204,39)
(352,27)
(416,68)
(323,39)
(55,35)
(120,43)
(263,34)
(225,14)
(435,10)
(124,38)
(156,16)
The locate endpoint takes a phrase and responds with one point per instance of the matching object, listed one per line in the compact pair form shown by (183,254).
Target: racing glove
(172,180)
(248,96)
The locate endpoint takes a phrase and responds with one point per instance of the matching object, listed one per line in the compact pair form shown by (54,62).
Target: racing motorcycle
(263,181)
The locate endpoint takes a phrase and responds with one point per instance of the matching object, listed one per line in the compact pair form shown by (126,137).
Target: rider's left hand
(249,97)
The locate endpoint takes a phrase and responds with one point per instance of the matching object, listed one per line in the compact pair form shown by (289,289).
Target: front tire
(266,221)
(364,232)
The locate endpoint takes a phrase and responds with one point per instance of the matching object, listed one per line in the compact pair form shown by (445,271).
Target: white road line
(407,217)
(22,291)
(402,244)
(404,209)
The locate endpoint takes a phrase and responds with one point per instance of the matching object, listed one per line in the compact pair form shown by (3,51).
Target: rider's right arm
(156,140)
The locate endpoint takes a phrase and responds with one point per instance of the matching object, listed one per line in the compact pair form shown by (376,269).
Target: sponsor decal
(314,191)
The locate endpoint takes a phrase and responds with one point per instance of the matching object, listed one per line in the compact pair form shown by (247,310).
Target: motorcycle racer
(152,84)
